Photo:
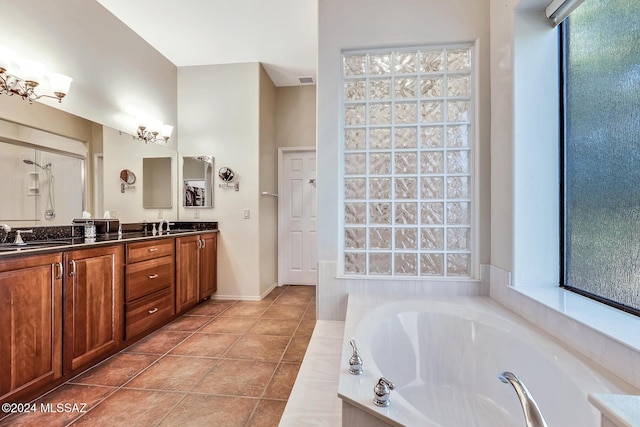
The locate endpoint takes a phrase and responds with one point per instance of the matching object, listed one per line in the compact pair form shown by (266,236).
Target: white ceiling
(281,34)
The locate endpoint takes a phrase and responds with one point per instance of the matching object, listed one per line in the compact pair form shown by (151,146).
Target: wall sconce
(150,133)
(26,75)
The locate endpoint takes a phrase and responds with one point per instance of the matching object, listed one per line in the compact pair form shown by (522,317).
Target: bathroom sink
(6,247)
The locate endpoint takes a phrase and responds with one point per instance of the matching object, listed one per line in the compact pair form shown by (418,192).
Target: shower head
(31,162)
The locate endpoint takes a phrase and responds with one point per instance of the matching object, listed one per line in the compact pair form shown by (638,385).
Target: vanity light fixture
(22,76)
(155,133)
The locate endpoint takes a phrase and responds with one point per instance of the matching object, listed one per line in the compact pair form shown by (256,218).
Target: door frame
(281,153)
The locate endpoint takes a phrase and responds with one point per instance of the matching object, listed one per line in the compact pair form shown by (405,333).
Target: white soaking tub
(444,357)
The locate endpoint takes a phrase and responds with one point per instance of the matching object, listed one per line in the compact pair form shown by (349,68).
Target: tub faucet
(381,392)
(532,414)
(355,361)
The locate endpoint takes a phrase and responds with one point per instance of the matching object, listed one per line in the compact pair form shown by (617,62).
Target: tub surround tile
(314,397)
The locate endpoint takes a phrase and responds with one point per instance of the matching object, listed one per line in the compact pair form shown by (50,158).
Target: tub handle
(381,391)
(355,361)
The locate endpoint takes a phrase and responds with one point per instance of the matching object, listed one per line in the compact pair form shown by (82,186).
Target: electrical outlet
(159,213)
(247,214)
(196,214)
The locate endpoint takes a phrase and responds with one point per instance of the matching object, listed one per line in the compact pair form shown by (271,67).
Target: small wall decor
(227,176)
(127,179)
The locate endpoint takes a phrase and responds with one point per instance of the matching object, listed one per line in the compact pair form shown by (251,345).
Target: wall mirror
(39,186)
(156,183)
(197,176)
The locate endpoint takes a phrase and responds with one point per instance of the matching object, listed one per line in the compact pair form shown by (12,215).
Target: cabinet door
(187,272)
(94,305)
(31,319)
(208,265)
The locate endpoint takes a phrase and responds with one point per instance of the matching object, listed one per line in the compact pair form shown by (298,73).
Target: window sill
(615,324)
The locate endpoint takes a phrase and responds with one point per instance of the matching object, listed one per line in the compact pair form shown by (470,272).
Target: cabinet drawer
(143,251)
(146,277)
(148,312)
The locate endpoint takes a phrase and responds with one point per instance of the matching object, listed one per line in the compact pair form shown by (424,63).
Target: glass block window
(407,156)
(602,155)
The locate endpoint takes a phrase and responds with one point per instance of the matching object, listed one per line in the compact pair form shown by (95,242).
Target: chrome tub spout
(532,414)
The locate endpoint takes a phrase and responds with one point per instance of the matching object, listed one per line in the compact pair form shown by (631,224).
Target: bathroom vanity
(68,304)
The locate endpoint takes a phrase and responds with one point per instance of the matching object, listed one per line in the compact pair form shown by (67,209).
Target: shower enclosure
(40,187)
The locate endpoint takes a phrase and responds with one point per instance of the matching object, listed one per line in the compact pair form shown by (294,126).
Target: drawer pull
(153,249)
(153,310)
(153,276)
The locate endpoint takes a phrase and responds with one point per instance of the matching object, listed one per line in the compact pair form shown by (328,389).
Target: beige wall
(296,116)
(268,181)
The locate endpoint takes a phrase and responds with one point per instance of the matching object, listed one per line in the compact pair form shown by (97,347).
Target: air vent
(308,80)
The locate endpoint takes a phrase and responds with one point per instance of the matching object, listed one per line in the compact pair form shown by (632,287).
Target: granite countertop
(55,239)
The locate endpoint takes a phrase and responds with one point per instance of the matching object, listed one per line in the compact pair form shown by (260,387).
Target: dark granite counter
(64,238)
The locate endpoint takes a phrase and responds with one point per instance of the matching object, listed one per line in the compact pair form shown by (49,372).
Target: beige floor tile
(209,410)
(210,309)
(288,298)
(86,397)
(228,325)
(173,373)
(296,350)
(279,327)
(117,370)
(247,378)
(259,347)
(159,342)
(205,345)
(244,310)
(131,408)
(187,323)
(285,311)
(305,329)
(267,414)
(282,382)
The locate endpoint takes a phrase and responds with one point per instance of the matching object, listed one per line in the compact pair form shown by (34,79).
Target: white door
(297,263)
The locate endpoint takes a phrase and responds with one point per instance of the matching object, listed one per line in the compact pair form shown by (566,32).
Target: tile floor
(224,363)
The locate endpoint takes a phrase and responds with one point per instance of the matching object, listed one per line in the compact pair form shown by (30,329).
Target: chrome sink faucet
(164,221)
(6,228)
(19,240)
(532,415)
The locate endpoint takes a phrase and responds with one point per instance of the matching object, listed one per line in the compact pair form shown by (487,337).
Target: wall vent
(307,80)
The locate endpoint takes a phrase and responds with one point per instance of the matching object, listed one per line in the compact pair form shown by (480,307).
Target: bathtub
(444,357)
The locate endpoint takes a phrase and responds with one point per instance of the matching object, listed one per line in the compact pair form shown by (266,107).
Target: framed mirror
(197,177)
(156,183)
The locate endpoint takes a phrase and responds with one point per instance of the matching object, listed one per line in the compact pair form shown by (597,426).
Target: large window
(407,162)
(601,42)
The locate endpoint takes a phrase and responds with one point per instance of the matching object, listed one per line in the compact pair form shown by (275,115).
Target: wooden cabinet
(31,320)
(149,295)
(196,269)
(93,305)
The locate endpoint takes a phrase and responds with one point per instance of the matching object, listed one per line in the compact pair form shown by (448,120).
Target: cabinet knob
(153,310)
(153,276)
